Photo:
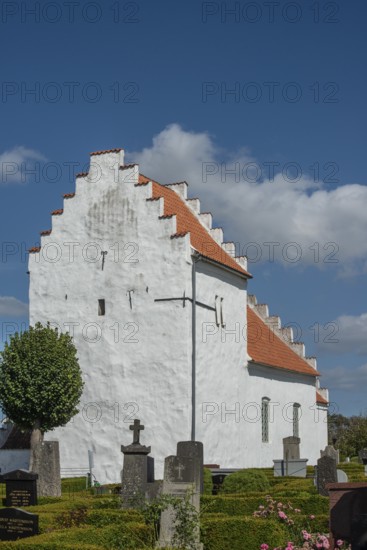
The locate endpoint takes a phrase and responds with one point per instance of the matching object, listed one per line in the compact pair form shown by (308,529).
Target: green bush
(208,482)
(246,506)
(114,537)
(233,533)
(245,480)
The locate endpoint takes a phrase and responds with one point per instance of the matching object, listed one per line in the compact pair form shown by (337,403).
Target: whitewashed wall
(144,371)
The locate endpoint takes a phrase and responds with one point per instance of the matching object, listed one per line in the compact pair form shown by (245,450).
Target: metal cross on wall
(136,427)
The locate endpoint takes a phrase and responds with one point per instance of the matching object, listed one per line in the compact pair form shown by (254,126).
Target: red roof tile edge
(69,195)
(34,249)
(57,212)
(191,224)
(268,349)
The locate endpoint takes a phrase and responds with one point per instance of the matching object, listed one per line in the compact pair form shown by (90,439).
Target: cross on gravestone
(136,428)
(179,468)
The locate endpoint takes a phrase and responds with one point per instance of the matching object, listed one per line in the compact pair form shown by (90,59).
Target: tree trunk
(36,437)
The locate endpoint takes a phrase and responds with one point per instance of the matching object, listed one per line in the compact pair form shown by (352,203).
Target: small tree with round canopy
(40,380)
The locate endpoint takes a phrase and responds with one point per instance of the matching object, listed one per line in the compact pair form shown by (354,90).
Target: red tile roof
(107,151)
(57,212)
(265,347)
(82,175)
(34,249)
(47,232)
(69,195)
(187,222)
(320,399)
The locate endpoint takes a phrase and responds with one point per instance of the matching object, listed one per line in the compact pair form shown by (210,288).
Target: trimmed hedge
(232,506)
(208,482)
(244,480)
(233,533)
(133,536)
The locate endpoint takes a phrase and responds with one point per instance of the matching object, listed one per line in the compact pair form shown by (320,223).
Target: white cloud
(350,333)
(15,162)
(269,210)
(12,307)
(344,378)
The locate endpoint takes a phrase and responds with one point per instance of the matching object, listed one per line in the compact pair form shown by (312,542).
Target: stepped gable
(320,399)
(188,219)
(187,222)
(267,348)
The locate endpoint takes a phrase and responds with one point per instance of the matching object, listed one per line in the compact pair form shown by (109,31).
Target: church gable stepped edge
(181,216)
(272,325)
(285,333)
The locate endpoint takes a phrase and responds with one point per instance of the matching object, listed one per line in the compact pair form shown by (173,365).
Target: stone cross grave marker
(326,473)
(332,452)
(21,488)
(16,524)
(136,428)
(138,469)
(183,478)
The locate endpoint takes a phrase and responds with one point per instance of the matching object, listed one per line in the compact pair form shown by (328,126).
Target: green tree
(353,437)
(40,380)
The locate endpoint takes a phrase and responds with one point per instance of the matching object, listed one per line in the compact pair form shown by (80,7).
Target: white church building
(158,307)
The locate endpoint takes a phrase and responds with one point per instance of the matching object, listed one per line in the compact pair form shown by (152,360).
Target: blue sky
(261,110)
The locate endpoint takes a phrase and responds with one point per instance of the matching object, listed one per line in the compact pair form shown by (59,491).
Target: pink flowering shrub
(303,539)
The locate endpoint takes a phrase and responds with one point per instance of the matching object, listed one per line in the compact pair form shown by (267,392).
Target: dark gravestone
(362,454)
(16,524)
(138,470)
(195,450)
(326,473)
(21,488)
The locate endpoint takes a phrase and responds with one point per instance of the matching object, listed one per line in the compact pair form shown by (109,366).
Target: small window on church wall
(296,417)
(265,419)
(101,307)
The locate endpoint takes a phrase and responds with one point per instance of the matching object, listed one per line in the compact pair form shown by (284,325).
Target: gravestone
(342,476)
(45,461)
(183,478)
(138,470)
(362,454)
(291,448)
(332,452)
(16,524)
(21,488)
(326,473)
(194,449)
(291,464)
